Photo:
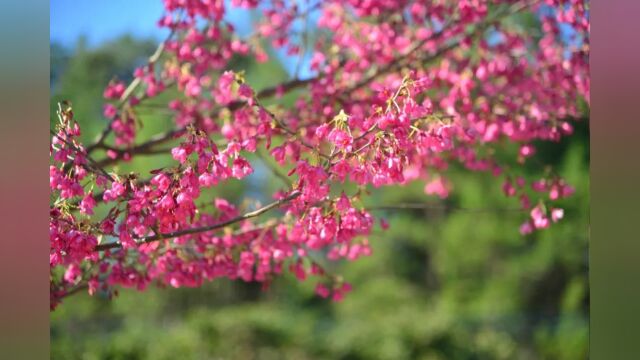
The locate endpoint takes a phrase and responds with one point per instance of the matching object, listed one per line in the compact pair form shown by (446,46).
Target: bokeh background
(452,281)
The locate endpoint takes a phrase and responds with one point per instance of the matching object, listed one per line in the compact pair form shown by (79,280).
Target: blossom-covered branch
(246,216)
(398,92)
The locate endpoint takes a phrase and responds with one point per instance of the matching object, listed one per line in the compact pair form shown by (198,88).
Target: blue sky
(101,20)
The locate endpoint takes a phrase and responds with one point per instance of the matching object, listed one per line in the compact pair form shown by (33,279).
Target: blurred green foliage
(455,281)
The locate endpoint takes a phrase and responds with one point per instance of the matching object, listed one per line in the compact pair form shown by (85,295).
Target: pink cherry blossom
(417,104)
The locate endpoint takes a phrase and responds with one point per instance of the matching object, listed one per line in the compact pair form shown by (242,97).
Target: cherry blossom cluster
(400,91)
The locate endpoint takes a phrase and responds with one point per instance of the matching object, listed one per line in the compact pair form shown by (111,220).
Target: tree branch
(249,215)
(274,169)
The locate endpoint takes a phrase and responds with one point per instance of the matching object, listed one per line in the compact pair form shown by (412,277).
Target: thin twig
(275,170)
(95,167)
(127,94)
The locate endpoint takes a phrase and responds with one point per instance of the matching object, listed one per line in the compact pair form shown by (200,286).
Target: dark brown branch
(249,215)
(144,148)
